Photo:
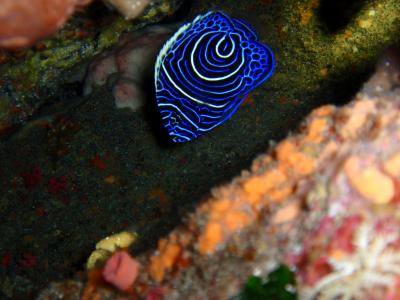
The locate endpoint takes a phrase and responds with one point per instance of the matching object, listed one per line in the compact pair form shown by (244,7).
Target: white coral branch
(372,264)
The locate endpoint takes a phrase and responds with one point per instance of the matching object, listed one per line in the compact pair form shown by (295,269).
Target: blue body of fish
(204,71)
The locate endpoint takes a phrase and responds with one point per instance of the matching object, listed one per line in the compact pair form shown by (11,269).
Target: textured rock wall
(324,201)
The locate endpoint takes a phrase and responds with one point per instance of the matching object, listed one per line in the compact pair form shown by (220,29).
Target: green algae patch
(280,285)
(111,34)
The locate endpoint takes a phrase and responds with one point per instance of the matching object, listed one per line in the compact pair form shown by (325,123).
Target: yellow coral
(108,245)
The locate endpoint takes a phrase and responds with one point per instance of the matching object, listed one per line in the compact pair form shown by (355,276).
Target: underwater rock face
(28,83)
(41,74)
(110,158)
(132,60)
(25,21)
(345,163)
(323,201)
(387,76)
(205,70)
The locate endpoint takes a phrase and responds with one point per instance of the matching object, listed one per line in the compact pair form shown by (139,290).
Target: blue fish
(205,70)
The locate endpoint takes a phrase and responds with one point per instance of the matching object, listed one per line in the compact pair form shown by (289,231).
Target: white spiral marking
(192,61)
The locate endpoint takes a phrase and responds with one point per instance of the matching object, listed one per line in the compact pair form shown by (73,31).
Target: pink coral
(121,270)
(25,21)
(133,61)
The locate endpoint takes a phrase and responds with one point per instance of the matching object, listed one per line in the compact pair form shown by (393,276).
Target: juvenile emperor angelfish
(205,70)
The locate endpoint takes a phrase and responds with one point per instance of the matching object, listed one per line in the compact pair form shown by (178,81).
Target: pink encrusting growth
(133,61)
(23,22)
(121,270)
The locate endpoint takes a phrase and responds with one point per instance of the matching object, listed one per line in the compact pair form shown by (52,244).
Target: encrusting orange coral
(369,181)
(168,253)
(235,207)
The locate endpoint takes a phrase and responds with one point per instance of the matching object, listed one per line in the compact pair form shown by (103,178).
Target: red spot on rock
(57,185)
(282,100)
(157,293)
(27,261)
(98,163)
(40,212)
(6,259)
(183,261)
(32,178)
(343,236)
(316,270)
(183,161)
